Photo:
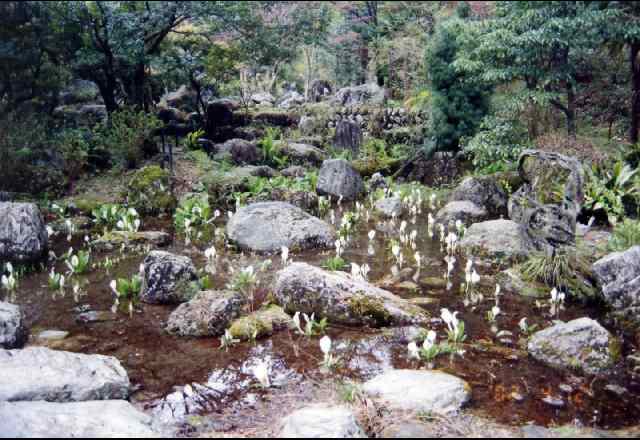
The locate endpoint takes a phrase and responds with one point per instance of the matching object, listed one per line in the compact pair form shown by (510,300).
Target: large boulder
(465,211)
(149,191)
(321,421)
(209,313)
(219,120)
(579,345)
(441,168)
(319,90)
(338,178)
(80,91)
(266,227)
(99,419)
(370,93)
(13,332)
(37,373)
(341,299)
(244,152)
(308,125)
(167,278)
(23,235)
(549,201)
(503,241)
(485,192)
(291,99)
(348,137)
(618,276)
(419,391)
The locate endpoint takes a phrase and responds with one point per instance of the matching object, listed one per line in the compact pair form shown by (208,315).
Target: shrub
(607,190)
(625,235)
(149,191)
(126,133)
(74,148)
(497,145)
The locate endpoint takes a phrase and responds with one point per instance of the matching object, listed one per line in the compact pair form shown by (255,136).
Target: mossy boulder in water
(149,191)
(501,241)
(581,345)
(260,323)
(342,299)
(209,313)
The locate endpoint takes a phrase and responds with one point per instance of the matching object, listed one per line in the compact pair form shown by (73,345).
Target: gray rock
(209,313)
(263,98)
(13,333)
(618,276)
(294,171)
(38,373)
(48,336)
(364,94)
(291,99)
(581,344)
(377,182)
(308,125)
(484,192)
(467,212)
(419,390)
(244,152)
(303,288)
(184,99)
(389,206)
(166,278)
(23,235)
(338,178)
(348,137)
(321,421)
(548,203)
(103,419)
(301,154)
(500,240)
(266,227)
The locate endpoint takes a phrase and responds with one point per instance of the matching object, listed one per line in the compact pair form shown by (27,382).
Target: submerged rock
(13,333)
(209,313)
(23,235)
(466,212)
(104,419)
(338,178)
(266,227)
(303,288)
(321,421)
(38,373)
(503,241)
(167,278)
(419,390)
(113,240)
(578,345)
(484,192)
(390,207)
(618,276)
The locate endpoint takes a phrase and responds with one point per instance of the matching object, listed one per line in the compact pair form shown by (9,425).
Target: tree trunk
(571,111)
(635,92)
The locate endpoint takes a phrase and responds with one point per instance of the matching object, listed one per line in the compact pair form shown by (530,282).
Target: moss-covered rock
(149,191)
(260,323)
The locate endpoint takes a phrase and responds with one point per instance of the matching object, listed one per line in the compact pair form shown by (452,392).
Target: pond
(178,378)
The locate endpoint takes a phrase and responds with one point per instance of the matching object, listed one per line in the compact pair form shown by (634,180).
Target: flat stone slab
(101,419)
(419,390)
(321,421)
(498,240)
(38,373)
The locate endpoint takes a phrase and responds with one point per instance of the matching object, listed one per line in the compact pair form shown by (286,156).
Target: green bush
(497,144)
(607,190)
(149,191)
(125,135)
(74,148)
(625,235)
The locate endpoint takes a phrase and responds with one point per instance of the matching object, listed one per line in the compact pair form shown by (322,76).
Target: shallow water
(178,378)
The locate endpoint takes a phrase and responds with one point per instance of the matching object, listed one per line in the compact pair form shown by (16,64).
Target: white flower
(261,373)
(475,278)
(114,287)
(414,353)
(285,255)
(325,345)
(450,319)
(498,290)
(210,253)
(9,267)
(495,311)
(430,341)
(372,235)
(296,321)
(523,325)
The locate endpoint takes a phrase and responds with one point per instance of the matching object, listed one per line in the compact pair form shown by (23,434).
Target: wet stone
(321,421)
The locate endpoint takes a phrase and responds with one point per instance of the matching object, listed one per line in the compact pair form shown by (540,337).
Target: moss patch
(149,191)
(260,323)
(365,306)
